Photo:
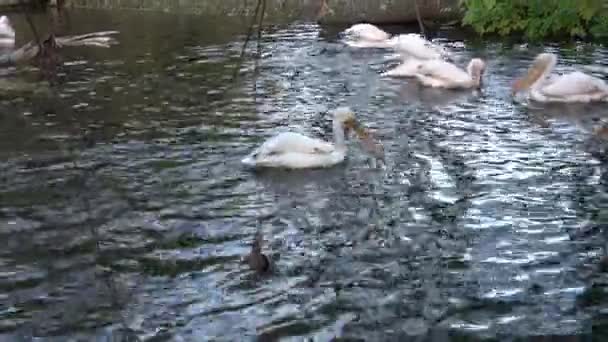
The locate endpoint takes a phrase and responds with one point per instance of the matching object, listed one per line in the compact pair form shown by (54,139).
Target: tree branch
(28,18)
(249,33)
(419,18)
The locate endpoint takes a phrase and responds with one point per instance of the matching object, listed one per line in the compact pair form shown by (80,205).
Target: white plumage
(297,151)
(572,87)
(7,32)
(412,47)
(442,74)
(366,36)
(415,46)
(409,45)
(414,51)
(367,32)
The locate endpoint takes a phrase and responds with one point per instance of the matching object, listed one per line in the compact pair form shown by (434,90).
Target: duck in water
(257,261)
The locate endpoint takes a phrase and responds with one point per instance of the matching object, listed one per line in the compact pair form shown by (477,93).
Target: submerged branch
(32,49)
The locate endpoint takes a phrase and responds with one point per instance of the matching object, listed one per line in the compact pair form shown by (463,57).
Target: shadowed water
(125,212)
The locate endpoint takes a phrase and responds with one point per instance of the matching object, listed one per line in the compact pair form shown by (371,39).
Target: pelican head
(542,63)
(346,117)
(476,68)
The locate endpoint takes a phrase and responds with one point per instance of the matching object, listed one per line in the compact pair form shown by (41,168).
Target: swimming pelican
(572,87)
(411,44)
(7,32)
(366,35)
(442,74)
(297,151)
(413,49)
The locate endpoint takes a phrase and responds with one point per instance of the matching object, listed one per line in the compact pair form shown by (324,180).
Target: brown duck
(256,259)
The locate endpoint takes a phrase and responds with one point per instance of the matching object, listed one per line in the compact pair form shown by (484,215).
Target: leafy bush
(538,18)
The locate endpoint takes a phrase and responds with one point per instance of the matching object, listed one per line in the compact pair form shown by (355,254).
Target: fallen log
(32,49)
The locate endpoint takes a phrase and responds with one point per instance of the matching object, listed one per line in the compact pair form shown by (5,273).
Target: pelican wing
(366,43)
(442,70)
(572,84)
(413,45)
(408,68)
(290,142)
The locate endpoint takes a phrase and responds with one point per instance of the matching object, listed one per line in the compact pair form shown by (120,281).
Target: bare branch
(260,23)
(249,32)
(419,18)
(28,18)
(99,39)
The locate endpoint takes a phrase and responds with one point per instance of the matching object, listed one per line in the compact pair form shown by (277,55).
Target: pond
(125,213)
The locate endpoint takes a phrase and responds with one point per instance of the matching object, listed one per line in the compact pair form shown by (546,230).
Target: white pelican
(366,35)
(296,151)
(411,44)
(442,74)
(572,87)
(413,49)
(7,33)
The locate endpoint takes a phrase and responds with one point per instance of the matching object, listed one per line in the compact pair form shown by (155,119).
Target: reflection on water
(124,210)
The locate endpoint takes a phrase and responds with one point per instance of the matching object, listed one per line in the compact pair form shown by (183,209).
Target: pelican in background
(412,47)
(296,151)
(7,32)
(572,87)
(443,74)
(366,35)
(414,50)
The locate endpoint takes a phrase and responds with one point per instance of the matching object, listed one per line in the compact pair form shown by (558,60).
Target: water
(125,214)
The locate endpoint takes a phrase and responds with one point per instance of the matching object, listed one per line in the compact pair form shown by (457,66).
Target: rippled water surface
(125,212)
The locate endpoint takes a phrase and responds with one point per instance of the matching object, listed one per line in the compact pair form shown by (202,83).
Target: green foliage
(538,18)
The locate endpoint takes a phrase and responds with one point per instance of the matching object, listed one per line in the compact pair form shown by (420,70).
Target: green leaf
(538,18)
(489,4)
(587,10)
(578,31)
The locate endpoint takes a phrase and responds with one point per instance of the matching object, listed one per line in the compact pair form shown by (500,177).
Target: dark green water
(124,210)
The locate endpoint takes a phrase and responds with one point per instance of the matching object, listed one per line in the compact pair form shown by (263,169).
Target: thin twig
(260,25)
(249,32)
(259,50)
(419,18)
(31,24)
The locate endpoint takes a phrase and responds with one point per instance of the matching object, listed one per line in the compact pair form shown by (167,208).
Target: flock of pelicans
(431,66)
